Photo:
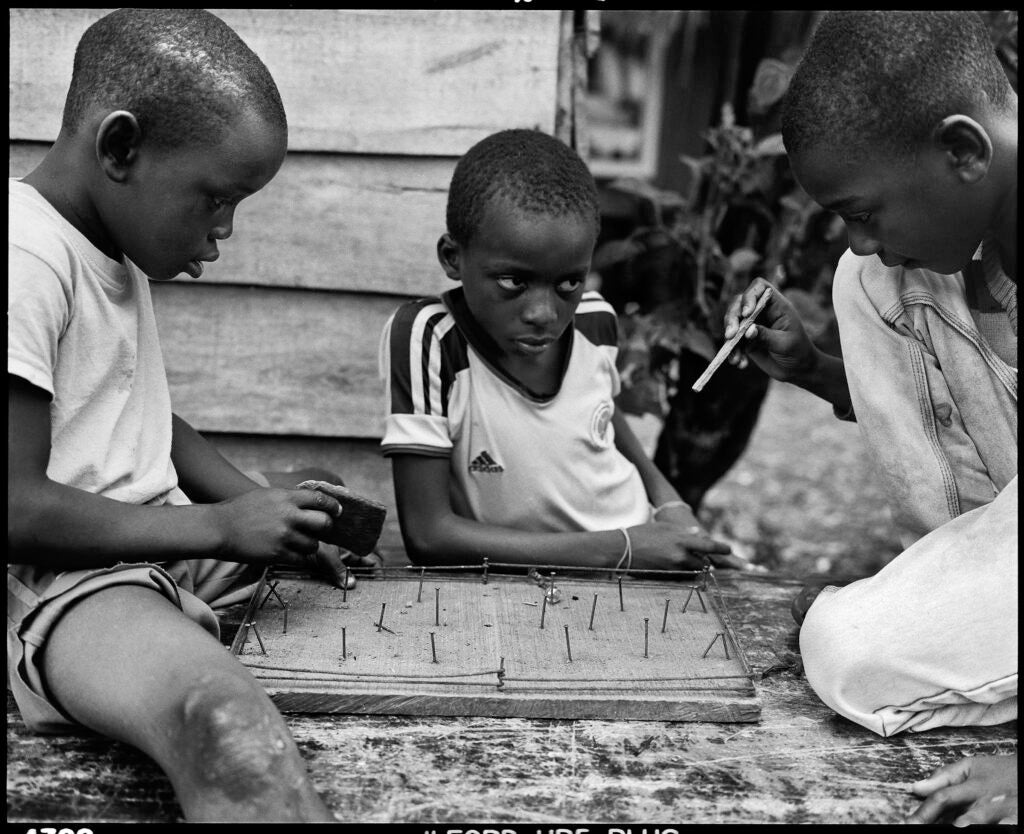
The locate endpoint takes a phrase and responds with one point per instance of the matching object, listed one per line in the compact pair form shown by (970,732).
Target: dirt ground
(804,497)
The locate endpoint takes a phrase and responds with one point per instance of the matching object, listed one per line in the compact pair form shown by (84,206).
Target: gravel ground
(804,497)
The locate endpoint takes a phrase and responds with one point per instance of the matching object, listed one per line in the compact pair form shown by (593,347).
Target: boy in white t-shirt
(501,422)
(171,120)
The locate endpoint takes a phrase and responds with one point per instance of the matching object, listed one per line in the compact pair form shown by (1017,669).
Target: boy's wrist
(213,533)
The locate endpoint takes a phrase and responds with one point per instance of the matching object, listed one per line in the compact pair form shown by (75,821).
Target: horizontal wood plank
(300,697)
(331,222)
(402,81)
(270,361)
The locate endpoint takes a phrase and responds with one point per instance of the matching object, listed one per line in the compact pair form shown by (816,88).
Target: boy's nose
(863,245)
(540,308)
(223,229)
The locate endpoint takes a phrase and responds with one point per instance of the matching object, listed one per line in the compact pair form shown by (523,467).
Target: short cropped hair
(882,80)
(536,172)
(183,73)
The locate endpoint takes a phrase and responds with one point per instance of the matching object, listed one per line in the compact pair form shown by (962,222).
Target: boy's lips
(533,344)
(195,266)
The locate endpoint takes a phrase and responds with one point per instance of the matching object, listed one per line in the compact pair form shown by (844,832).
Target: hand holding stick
(728,347)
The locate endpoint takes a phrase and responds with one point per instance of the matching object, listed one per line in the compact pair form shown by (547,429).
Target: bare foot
(983,787)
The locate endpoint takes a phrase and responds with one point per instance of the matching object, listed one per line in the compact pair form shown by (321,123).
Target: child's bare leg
(128,663)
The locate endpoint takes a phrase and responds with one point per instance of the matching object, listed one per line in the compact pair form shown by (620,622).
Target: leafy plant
(673,276)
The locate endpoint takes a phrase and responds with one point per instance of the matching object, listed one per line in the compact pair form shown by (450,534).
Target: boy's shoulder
(420,321)
(36,229)
(416,326)
(596,320)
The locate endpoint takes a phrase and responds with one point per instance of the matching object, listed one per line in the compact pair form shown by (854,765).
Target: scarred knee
(238,742)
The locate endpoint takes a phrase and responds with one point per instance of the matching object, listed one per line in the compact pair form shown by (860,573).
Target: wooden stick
(728,347)
(568,648)
(593,608)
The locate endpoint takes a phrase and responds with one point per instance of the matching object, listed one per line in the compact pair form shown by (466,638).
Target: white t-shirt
(81,327)
(517,460)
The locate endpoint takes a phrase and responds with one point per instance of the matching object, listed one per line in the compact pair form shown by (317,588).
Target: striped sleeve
(596,321)
(420,355)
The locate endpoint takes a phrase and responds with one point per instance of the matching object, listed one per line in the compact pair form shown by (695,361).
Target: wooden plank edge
(632,708)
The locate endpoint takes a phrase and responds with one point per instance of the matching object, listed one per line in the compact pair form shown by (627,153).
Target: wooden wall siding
(265,361)
(330,222)
(412,81)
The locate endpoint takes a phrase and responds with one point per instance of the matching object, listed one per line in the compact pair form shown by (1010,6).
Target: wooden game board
(471,642)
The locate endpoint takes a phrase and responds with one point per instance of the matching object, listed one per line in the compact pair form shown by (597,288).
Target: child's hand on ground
(664,545)
(274,525)
(985,786)
(778,345)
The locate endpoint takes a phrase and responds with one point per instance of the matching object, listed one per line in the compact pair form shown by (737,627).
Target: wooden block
(493,658)
(359,526)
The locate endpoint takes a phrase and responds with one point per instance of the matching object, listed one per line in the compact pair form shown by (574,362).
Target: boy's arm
(659,490)
(53,525)
(204,475)
(663,496)
(779,346)
(435,535)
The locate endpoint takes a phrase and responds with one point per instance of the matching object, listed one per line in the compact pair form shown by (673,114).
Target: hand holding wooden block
(359,526)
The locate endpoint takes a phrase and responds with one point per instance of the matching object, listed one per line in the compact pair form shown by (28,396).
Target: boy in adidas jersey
(501,422)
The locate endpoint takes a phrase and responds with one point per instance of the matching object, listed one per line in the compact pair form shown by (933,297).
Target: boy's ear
(448,254)
(967,146)
(117,143)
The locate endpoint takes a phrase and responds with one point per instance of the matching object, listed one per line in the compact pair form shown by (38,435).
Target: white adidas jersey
(517,460)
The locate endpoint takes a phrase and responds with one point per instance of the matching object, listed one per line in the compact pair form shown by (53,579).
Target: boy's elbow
(424,544)
(26,516)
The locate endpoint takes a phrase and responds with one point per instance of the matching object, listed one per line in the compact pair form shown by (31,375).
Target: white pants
(931,639)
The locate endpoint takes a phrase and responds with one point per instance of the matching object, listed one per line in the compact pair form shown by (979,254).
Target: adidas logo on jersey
(485,463)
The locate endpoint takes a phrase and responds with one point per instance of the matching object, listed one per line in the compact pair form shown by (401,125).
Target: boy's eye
(217,203)
(863,217)
(569,285)
(509,282)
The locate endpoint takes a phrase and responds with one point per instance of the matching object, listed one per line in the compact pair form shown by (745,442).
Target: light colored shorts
(37,598)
